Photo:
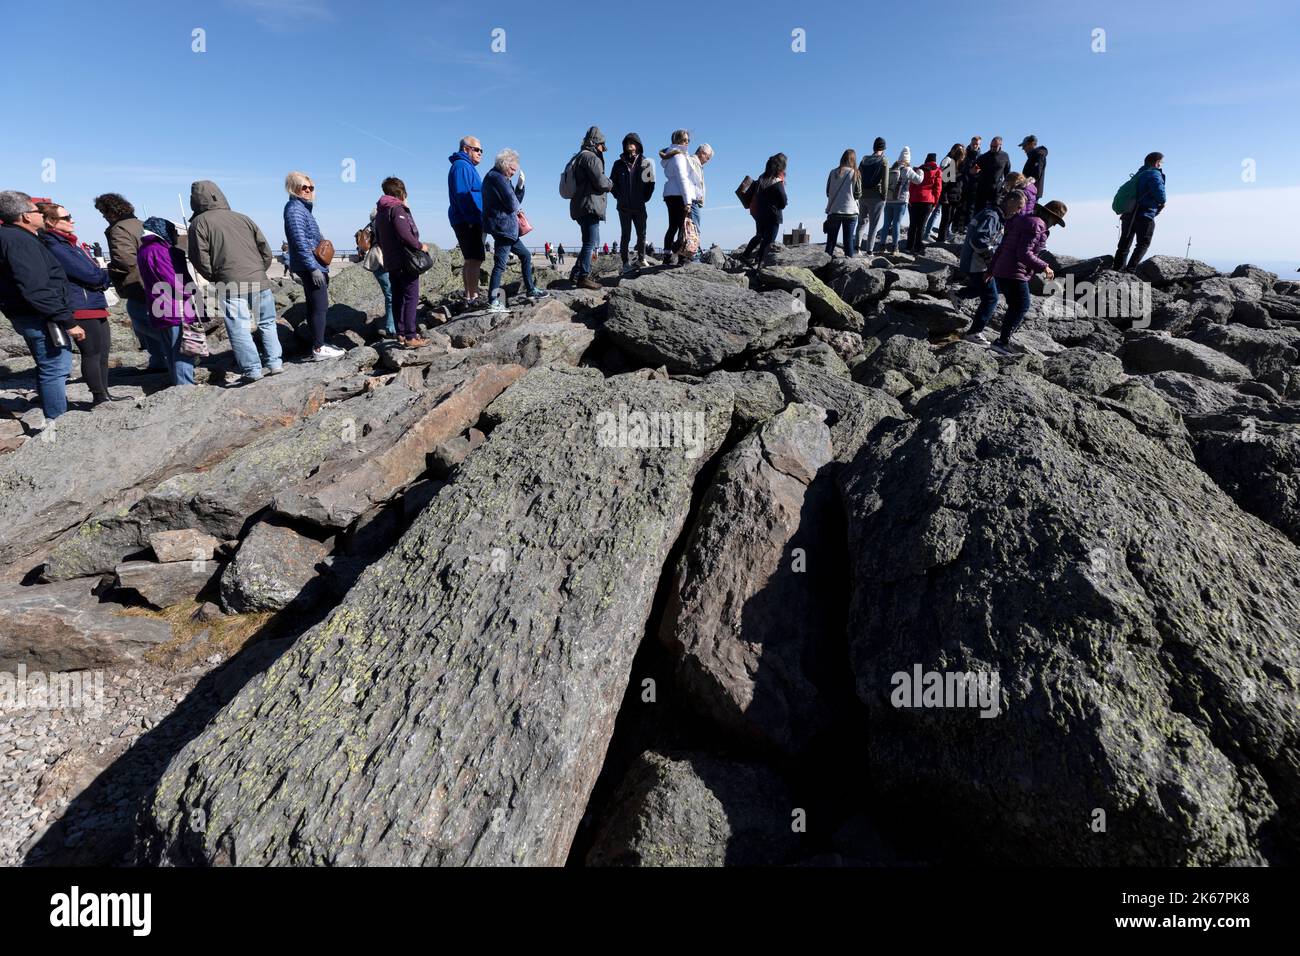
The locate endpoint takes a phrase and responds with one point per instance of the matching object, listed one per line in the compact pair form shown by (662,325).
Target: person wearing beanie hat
(170,293)
(897,191)
(873,171)
(587,207)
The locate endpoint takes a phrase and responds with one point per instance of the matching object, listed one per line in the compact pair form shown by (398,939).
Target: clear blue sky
(117,98)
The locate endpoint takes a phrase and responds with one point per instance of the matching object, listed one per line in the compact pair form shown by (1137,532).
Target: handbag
(373,260)
(417,262)
(324,252)
(525,227)
(690,243)
(742,191)
(194,344)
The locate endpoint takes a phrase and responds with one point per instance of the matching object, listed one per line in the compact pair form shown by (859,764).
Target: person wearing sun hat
(1016,259)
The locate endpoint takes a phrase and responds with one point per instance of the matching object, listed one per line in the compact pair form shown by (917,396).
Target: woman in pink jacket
(170,297)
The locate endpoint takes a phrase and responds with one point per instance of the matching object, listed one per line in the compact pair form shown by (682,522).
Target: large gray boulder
(826,307)
(457,706)
(1270,354)
(853,409)
(1158,352)
(1165,269)
(1083,370)
(746,620)
(1256,460)
(1145,669)
(271,569)
(693,319)
(694,809)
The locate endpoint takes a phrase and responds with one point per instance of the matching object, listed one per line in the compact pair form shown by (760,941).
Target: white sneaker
(497,307)
(976,338)
(325,353)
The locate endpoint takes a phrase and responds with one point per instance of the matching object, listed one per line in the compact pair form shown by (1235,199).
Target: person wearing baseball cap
(1036,163)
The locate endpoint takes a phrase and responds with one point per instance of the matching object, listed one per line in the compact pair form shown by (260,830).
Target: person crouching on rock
(396,232)
(501,209)
(1016,260)
(169,293)
(769,202)
(983,236)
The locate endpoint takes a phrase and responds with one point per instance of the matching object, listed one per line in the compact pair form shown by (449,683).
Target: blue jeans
(146,334)
(893,222)
(238,311)
(848,224)
(988,293)
(386,284)
(590,225)
(929,223)
(53,365)
(695,218)
(501,257)
(180,366)
(1017,293)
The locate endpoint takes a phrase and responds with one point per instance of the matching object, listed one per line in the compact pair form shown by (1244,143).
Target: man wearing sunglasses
(34,294)
(465,192)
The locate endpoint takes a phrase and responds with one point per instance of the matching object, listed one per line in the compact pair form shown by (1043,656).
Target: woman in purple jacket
(1015,261)
(170,296)
(395,231)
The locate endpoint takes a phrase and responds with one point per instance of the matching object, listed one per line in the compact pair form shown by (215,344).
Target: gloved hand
(317,278)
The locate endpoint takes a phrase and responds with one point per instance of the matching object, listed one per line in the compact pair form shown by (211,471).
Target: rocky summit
(710,566)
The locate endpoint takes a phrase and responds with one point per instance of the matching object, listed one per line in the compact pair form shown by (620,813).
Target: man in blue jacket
(1140,221)
(465,190)
(33,294)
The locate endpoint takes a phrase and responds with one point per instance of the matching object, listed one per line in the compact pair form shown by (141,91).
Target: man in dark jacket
(587,207)
(634,183)
(34,294)
(465,211)
(228,248)
(123,235)
(1036,161)
(1140,221)
(969,182)
(991,169)
(873,170)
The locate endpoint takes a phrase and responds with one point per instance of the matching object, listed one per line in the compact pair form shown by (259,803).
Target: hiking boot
(474,303)
(628,268)
(587,282)
(536,294)
(976,338)
(325,353)
(1001,348)
(414,342)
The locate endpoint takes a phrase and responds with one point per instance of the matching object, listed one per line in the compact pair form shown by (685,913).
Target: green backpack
(1125,197)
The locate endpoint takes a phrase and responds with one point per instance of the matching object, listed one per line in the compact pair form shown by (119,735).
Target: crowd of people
(53,288)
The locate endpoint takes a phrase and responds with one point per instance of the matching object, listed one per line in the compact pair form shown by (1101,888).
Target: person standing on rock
(897,192)
(950,199)
(768,206)
(465,192)
(991,171)
(171,296)
(228,248)
(304,235)
(874,173)
(1016,260)
(123,235)
(587,207)
(843,193)
(1035,162)
(501,206)
(633,176)
(697,161)
(1140,221)
(34,296)
(396,232)
(560,253)
(86,284)
(382,277)
(983,237)
(923,197)
(679,191)
(966,174)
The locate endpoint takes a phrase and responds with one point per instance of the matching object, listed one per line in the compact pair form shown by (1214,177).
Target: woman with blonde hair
(843,190)
(303,235)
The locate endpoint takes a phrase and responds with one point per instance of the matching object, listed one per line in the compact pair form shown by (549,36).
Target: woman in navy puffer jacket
(501,205)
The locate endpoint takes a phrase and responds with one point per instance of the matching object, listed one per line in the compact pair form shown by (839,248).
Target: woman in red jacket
(921,200)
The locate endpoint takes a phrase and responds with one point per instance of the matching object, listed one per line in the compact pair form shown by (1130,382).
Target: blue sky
(118,100)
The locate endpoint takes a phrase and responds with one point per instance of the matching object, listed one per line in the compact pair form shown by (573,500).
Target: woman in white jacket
(897,190)
(679,191)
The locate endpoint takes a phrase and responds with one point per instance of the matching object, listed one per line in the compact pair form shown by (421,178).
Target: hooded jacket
(395,231)
(901,179)
(123,243)
(930,188)
(166,284)
(1017,257)
(982,238)
(86,280)
(875,176)
(634,183)
(32,283)
(501,203)
(1036,166)
(225,246)
(465,191)
(303,234)
(590,198)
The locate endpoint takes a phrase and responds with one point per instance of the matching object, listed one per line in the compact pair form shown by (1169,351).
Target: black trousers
(318,303)
(1132,226)
(627,218)
(918,216)
(676,223)
(94,350)
(764,235)
(946,219)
